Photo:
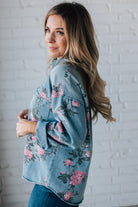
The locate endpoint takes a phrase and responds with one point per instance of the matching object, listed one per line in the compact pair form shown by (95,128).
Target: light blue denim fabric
(58,156)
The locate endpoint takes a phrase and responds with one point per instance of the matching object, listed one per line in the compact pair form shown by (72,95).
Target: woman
(58,124)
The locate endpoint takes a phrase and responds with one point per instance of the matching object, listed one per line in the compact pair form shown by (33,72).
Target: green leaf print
(64,177)
(73,153)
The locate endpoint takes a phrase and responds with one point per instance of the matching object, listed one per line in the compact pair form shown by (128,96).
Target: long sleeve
(69,124)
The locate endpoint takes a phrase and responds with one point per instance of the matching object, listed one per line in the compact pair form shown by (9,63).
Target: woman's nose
(50,38)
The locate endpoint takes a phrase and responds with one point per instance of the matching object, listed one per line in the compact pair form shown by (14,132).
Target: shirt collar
(60,60)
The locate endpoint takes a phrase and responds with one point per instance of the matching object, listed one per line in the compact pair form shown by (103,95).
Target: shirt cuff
(41,133)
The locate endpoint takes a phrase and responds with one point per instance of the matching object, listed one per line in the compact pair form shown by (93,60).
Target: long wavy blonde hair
(83,52)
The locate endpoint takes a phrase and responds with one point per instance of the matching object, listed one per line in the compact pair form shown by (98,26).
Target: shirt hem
(54,191)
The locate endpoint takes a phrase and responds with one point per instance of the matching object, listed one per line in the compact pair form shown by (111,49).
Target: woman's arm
(68,126)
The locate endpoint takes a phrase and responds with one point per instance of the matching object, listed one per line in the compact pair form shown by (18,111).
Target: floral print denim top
(58,156)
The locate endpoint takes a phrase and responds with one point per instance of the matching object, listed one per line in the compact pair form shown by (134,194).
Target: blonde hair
(83,52)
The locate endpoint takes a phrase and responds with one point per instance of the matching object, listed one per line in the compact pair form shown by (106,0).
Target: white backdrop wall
(113,177)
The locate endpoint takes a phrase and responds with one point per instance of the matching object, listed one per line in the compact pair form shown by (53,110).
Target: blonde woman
(58,124)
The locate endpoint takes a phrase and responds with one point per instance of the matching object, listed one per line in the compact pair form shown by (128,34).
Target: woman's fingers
(23,114)
(20,115)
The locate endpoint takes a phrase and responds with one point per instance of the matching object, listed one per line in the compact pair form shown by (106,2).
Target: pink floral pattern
(42,94)
(77,177)
(33,137)
(61,92)
(32,117)
(50,107)
(57,91)
(88,154)
(28,153)
(54,94)
(50,127)
(45,181)
(68,162)
(60,127)
(40,150)
(68,195)
(72,176)
(89,132)
(56,138)
(75,103)
(88,116)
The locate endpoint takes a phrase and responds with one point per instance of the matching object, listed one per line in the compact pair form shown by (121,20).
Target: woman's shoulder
(66,72)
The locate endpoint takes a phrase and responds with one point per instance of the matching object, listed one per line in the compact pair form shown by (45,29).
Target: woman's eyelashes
(47,30)
(60,33)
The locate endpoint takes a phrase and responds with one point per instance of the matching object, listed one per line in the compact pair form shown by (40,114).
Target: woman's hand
(24,127)
(23,114)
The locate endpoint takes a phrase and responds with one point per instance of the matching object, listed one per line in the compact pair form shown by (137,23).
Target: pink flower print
(68,195)
(60,128)
(89,132)
(77,177)
(45,178)
(32,117)
(60,114)
(45,181)
(28,153)
(56,138)
(88,117)
(50,127)
(54,94)
(88,154)
(75,103)
(50,107)
(68,162)
(42,94)
(40,150)
(33,137)
(61,92)
(49,154)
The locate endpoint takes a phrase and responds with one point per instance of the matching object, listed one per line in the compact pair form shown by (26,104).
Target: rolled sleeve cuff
(41,133)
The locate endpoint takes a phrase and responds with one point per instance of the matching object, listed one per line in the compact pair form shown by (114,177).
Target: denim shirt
(58,156)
